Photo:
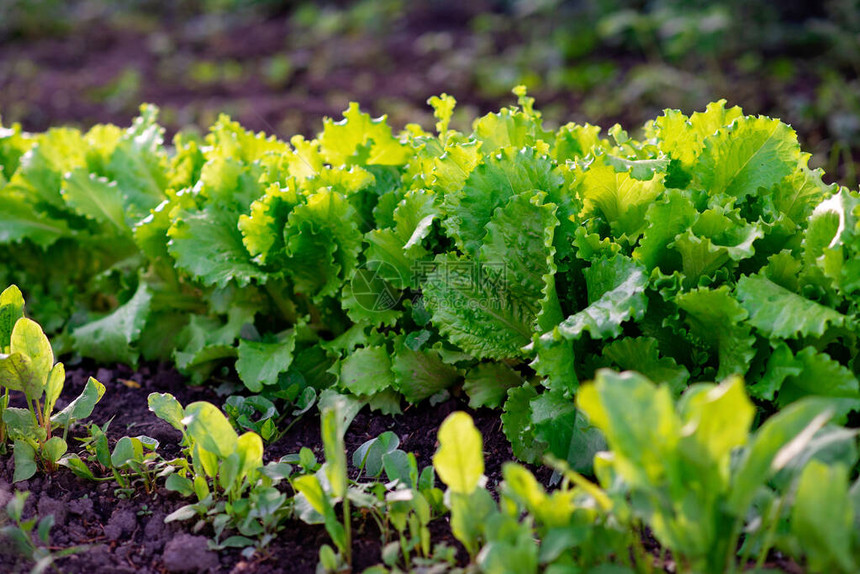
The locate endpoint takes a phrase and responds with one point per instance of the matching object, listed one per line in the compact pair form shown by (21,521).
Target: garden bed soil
(129,534)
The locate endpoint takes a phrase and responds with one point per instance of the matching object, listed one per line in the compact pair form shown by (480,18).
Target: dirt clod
(187,553)
(121,522)
(48,505)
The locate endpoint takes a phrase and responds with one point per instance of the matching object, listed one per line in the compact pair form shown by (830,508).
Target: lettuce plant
(509,260)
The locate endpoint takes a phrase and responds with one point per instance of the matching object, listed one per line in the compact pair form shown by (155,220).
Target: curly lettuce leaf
(565,430)
(19,221)
(358,139)
(95,198)
(14,143)
(421,374)
(487,384)
(518,426)
(666,218)
(207,244)
(263,228)
(394,252)
(790,377)
(228,139)
(368,298)
(717,238)
(452,168)
(491,185)
(259,363)
(323,242)
(206,341)
(513,127)
(832,241)
(519,241)
(138,164)
(367,371)
(683,138)
(778,313)
(473,314)
(642,354)
(112,338)
(718,322)
(616,293)
(751,153)
(796,196)
(619,198)
(41,169)
(575,141)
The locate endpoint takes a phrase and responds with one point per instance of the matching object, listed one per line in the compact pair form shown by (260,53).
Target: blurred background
(281,65)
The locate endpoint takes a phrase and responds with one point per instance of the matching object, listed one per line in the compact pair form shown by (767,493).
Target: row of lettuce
(715,494)
(511,262)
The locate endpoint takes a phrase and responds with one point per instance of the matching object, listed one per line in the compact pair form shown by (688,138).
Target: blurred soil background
(280,66)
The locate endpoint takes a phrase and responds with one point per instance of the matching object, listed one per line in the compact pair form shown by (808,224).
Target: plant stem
(640,555)
(405,551)
(35,411)
(768,536)
(347,527)
(285,306)
(66,432)
(4,402)
(731,562)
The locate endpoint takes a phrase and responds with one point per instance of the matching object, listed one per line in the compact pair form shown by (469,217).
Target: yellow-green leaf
(208,426)
(28,339)
(460,458)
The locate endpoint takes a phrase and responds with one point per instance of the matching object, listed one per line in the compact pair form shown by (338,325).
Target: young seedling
(701,451)
(313,497)
(135,457)
(29,368)
(459,462)
(226,473)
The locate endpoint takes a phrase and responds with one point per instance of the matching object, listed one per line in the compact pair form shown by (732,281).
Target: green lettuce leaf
(809,372)
(259,363)
(616,293)
(472,313)
(358,139)
(421,374)
(491,185)
(487,384)
(619,198)
(718,322)
(751,153)
(207,244)
(112,338)
(778,313)
(367,371)
(642,354)
(323,242)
